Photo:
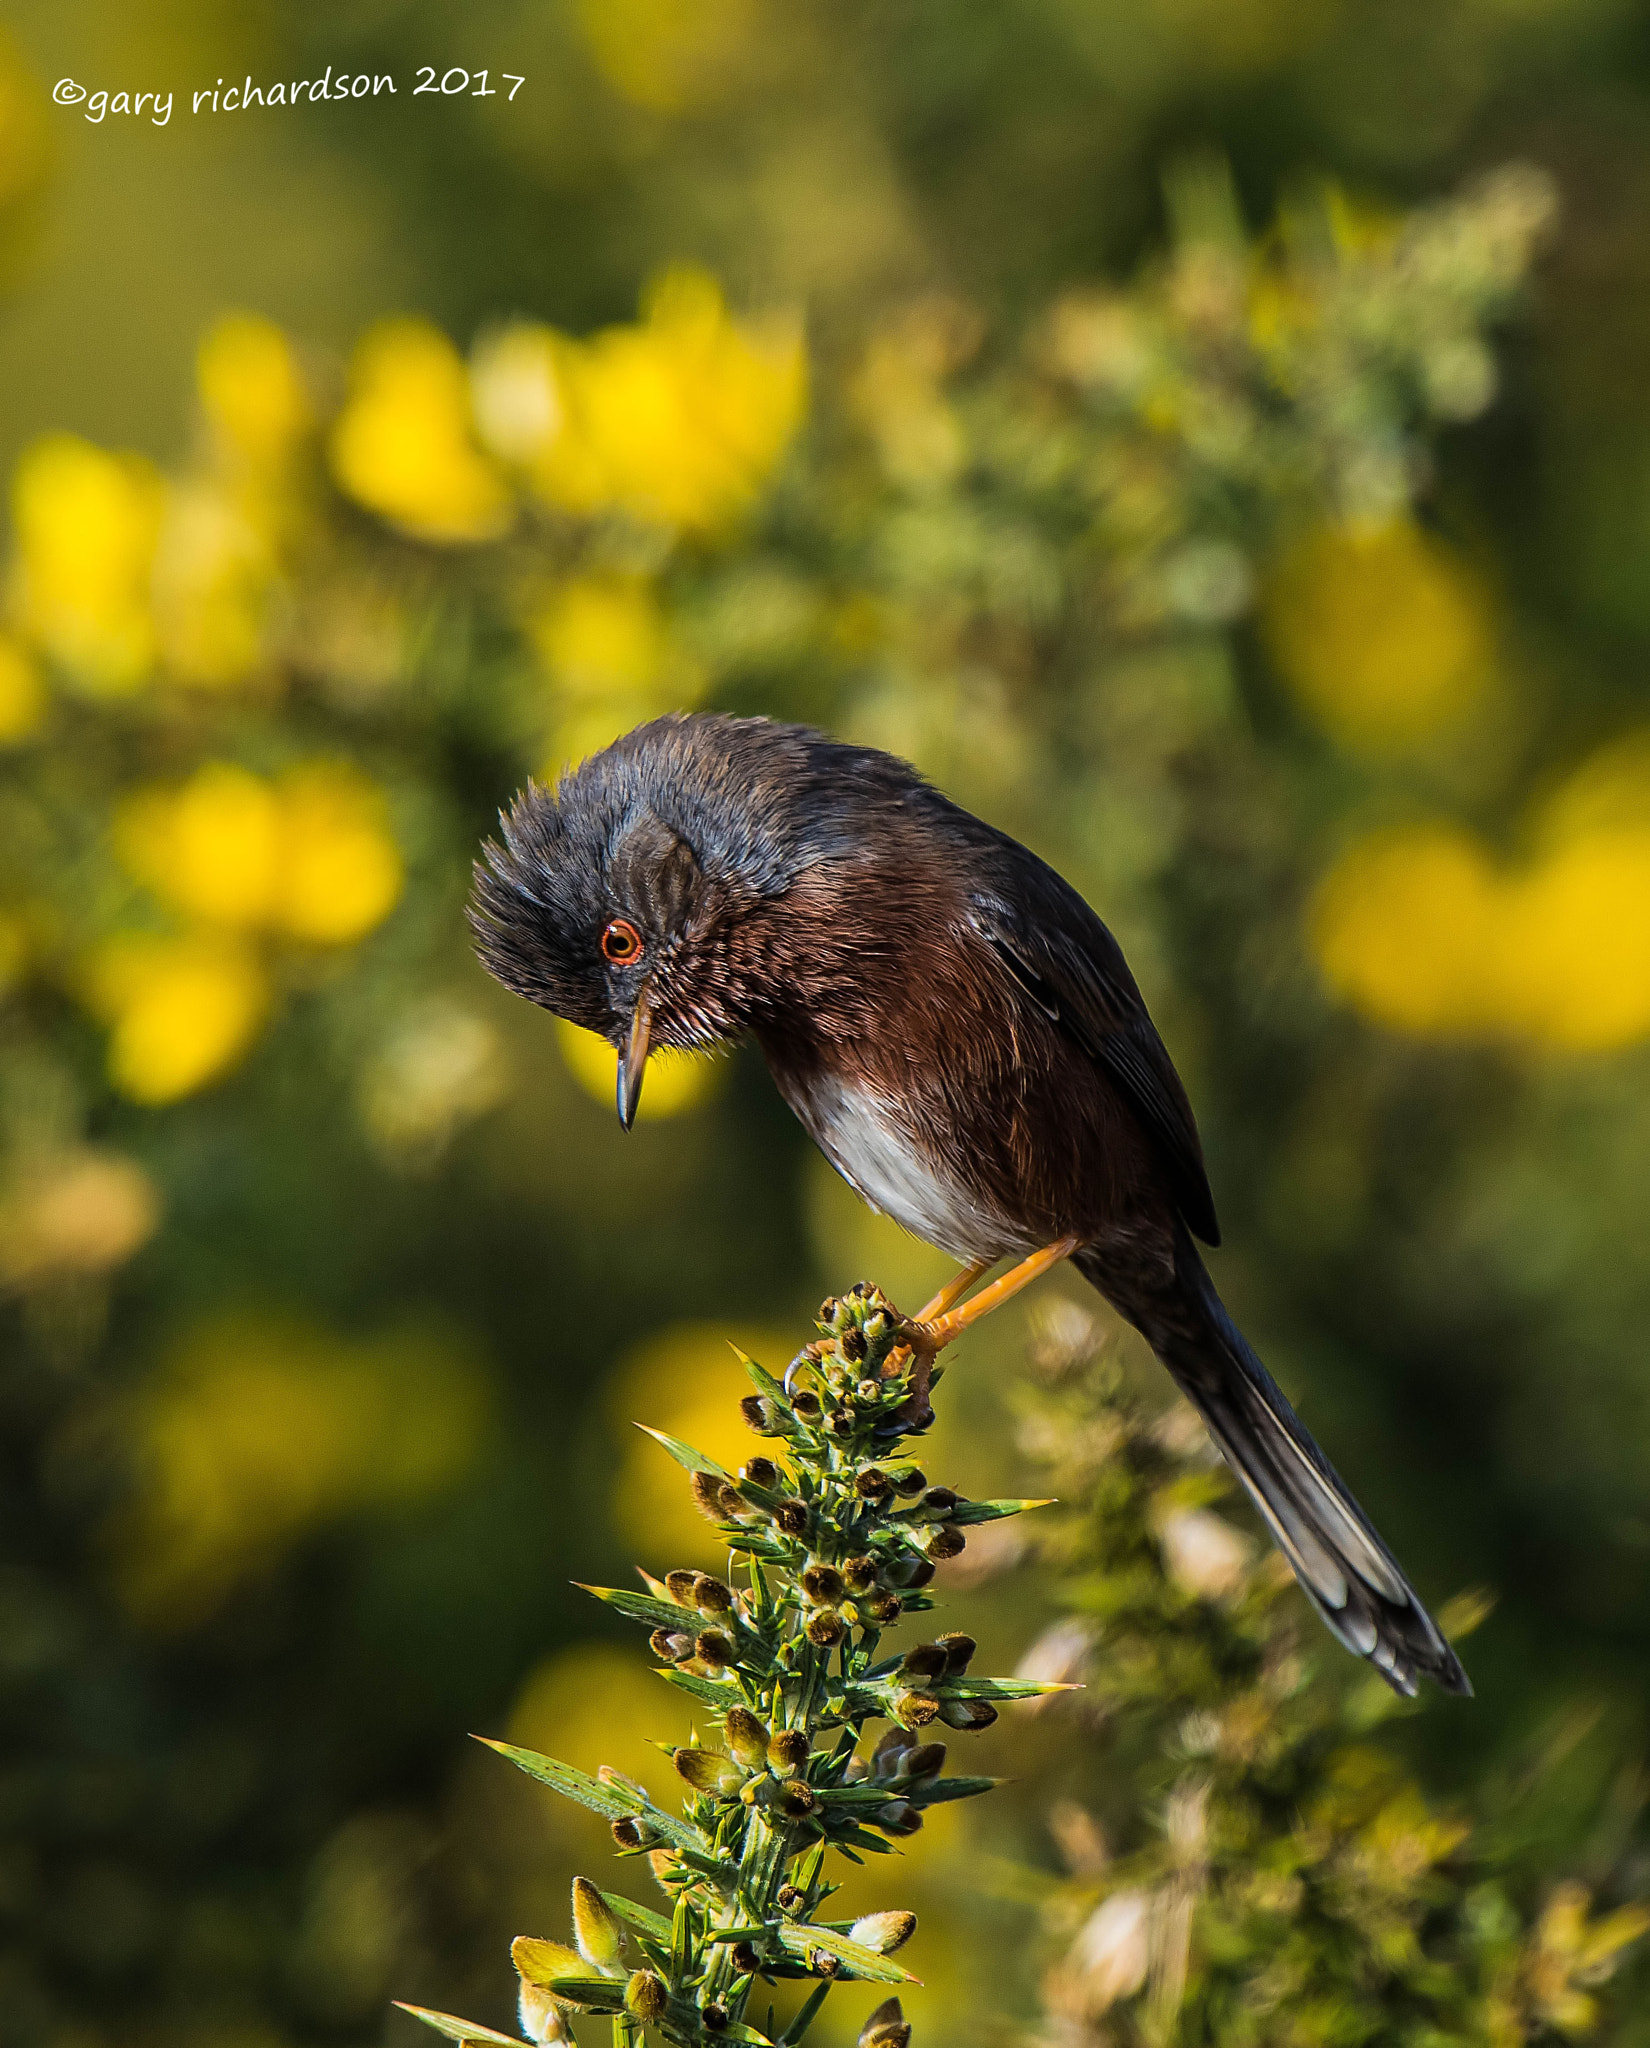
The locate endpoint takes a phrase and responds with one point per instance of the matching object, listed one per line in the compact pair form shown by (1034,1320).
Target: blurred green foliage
(1178,430)
(1258,1862)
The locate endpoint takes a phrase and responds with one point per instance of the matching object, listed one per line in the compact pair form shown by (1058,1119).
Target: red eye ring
(621,942)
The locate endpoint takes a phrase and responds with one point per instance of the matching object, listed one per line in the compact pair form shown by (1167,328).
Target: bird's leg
(953,1290)
(927,1336)
(933,1336)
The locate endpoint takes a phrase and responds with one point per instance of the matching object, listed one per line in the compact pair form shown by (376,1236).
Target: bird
(957,1031)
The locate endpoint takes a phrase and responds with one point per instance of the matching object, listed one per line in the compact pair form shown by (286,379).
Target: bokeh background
(1211,437)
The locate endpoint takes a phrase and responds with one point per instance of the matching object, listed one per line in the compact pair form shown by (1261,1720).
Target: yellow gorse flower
(1424,931)
(1381,632)
(251,390)
(666,55)
(308,856)
(22,694)
(607,649)
(87,523)
(405,445)
(678,420)
(181,1011)
(213,573)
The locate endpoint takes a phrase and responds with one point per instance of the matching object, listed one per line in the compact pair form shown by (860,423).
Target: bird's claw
(808,1355)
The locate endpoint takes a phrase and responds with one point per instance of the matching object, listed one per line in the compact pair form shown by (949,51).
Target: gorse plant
(836,1537)
(1257,1862)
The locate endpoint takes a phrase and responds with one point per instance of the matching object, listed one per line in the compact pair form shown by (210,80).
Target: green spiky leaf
(611,1801)
(937,1791)
(866,1964)
(718,1693)
(685,1455)
(642,1918)
(971,1511)
(459,2030)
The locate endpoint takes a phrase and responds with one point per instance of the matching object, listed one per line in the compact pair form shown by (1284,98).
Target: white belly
(861,1136)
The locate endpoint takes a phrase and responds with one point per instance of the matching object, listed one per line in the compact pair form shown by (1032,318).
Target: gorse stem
(833,1538)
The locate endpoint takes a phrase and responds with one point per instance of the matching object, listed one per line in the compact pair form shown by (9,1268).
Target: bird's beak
(633,1062)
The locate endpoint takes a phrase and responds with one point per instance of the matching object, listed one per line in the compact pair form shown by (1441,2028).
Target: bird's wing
(1071,967)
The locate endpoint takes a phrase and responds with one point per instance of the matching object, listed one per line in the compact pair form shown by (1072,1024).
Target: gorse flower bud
(595,1927)
(715,1647)
(797,1798)
(924,1760)
(707,1770)
(947,1541)
(542,2018)
(647,1996)
(762,1472)
(825,1628)
(670,1646)
(823,1584)
(924,1660)
(792,1516)
(916,1709)
(873,1483)
(631,1833)
(884,1932)
(884,1608)
(547,1963)
(959,1651)
(789,1750)
(679,1585)
(972,1715)
(938,1500)
(886,2028)
(747,1738)
(860,1574)
(912,1481)
(761,1415)
(715,1499)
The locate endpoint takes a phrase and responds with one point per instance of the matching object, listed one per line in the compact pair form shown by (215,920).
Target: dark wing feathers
(1072,968)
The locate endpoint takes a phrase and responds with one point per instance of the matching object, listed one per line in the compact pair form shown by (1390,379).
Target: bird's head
(611,899)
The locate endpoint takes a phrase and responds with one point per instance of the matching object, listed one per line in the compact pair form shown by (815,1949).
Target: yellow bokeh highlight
(87,523)
(257,1432)
(252,390)
(181,1011)
(213,573)
(342,874)
(678,420)
(606,647)
(1382,633)
(73,1213)
(23,701)
(595,1704)
(308,855)
(405,443)
(688,1382)
(602,635)
(665,55)
(674,1083)
(1423,931)
(515,390)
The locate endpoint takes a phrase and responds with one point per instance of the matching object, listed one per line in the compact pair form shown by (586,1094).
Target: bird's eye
(621,942)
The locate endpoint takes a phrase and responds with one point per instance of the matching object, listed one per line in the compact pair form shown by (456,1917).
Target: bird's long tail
(1345,1569)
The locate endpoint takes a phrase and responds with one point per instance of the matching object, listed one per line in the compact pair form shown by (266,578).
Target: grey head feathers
(677,827)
